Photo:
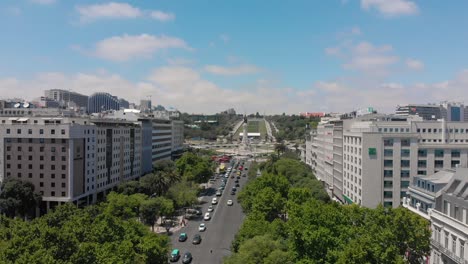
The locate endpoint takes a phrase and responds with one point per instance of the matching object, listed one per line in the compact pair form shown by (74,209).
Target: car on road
(175,255)
(196,239)
(214,200)
(233,189)
(210,208)
(182,237)
(237,184)
(229,202)
(238,177)
(207,217)
(187,258)
(243,175)
(218,193)
(236,181)
(233,192)
(202,227)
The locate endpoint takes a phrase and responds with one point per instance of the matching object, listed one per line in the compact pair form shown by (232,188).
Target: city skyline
(205,57)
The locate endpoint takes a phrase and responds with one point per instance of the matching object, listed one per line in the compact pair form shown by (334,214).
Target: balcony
(447,252)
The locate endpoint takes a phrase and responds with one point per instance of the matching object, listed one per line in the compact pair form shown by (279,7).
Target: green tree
(129,187)
(280,148)
(123,206)
(183,194)
(18,198)
(259,250)
(151,209)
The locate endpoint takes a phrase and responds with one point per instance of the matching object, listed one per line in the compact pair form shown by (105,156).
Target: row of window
(403,184)
(403,173)
(439,130)
(30,158)
(453,245)
(30,131)
(405,142)
(41,149)
(394,129)
(41,175)
(30,166)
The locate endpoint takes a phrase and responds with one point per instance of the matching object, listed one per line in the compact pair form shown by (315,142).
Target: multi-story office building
(65,97)
(99,102)
(68,158)
(177,138)
(324,154)
(145,106)
(161,139)
(442,199)
(124,103)
(426,111)
(382,154)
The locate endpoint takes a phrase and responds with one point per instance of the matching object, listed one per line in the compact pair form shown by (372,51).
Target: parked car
(187,258)
(196,239)
(237,184)
(229,202)
(214,201)
(182,237)
(218,193)
(210,208)
(175,255)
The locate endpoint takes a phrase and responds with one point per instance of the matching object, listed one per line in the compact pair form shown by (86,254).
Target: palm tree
(280,148)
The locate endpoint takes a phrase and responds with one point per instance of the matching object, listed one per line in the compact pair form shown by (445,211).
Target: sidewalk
(158,229)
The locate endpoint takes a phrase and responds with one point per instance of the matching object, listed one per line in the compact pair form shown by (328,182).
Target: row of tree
(292,127)
(290,219)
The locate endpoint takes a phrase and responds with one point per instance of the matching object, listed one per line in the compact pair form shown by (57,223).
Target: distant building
(145,106)
(450,111)
(124,103)
(177,138)
(99,102)
(64,97)
(45,102)
(316,114)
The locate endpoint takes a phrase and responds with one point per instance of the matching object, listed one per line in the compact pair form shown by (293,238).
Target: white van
(214,201)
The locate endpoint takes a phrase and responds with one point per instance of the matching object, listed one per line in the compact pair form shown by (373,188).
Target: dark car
(234,189)
(237,184)
(175,255)
(196,239)
(187,258)
(237,181)
(233,192)
(238,177)
(182,237)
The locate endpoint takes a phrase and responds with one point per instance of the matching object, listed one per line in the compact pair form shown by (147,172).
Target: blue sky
(267,56)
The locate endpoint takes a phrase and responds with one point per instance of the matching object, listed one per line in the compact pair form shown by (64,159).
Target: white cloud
(391,8)
(43,2)
(238,70)
(162,16)
(113,10)
(368,58)
(414,64)
(126,47)
(334,51)
(225,38)
(179,61)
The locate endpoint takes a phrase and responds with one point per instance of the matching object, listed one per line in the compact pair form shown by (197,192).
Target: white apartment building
(442,199)
(68,158)
(177,138)
(161,139)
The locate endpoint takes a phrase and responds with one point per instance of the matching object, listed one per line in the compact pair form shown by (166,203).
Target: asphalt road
(220,230)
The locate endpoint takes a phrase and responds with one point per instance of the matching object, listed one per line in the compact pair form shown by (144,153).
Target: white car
(202,227)
(229,202)
(207,217)
(210,208)
(214,201)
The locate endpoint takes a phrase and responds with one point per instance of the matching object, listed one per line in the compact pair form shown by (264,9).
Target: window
(64,158)
(52,149)
(52,175)
(8,131)
(439,164)
(63,176)
(52,193)
(405,163)
(52,167)
(388,204)
(388,142)
(455,153)
(19,175)
(388,184)
(52,158)
(405,142)
(439,153)
(388,152)
(405,152)
(405,173)
(30,166)
(41,131)
(422,153)
(404,184)
(52,184)
(8,157)
(19,166)
(64,167)
(41,184)
(62,131)
(63,185)
(63,194)
(41,149)
(52,131)
(41,166)
(388,163)
(454,244)
(462,249)
(30,175)
(41,175)
(422,163)
(388,173)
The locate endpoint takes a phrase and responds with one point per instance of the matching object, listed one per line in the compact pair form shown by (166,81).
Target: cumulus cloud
(391,8)
(162,16)
(414,64)
(126,47)
(113,10)
(237,70)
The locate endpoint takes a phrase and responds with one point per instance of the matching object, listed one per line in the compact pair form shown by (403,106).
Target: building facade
(161,147)
(442,199)
(99,102)
(65,97)
(68,158)
(177,138)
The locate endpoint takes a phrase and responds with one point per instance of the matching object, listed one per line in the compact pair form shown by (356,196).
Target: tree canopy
(290,219)
(18,198)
